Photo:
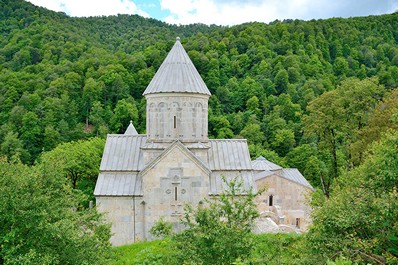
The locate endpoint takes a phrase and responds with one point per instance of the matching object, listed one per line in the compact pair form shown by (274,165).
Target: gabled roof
(177,74)
(294,175)
(131,129)
(122,153)
(263,164)
(229,154)
(291,174)
(176,144)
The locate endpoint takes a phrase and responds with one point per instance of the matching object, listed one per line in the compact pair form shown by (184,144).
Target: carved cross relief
(173,190)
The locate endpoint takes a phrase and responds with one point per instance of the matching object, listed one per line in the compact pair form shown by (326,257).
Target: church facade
(144,177)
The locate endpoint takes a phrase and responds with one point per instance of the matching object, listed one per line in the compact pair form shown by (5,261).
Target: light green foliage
(270,249)
(220,127)
(42,221)
(339,261)
(359,221)
(284,141)
(157,252)
(336,116)
(161,229)
(380,120)
(219,230)
(78,162)
(252,132)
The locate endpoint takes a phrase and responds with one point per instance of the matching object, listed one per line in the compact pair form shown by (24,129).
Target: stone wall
(286,199)
(171,182)
(172,116)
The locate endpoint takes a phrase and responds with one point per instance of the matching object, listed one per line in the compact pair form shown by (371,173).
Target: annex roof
(229,154)
(263,164)
(291,174)
(118,184)
(177,74)
(123,153)
(294,175)
(218,185)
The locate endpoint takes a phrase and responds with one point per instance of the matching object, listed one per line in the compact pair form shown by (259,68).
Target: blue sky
(222,12)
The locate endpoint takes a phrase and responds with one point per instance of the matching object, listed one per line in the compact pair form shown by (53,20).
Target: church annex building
(144,177)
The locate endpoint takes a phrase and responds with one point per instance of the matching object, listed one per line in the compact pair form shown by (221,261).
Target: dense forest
(318,95)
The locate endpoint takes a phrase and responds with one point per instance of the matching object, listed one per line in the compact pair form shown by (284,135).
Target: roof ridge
(125,135)
(243,140)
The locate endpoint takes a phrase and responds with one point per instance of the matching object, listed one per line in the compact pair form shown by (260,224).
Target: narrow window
(175,122)
(270,200)
(298,222)
(175,193)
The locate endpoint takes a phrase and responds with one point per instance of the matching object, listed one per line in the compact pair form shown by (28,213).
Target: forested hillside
(315,95)
(66,78)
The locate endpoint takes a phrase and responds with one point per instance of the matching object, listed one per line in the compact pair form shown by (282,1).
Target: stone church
(144,177)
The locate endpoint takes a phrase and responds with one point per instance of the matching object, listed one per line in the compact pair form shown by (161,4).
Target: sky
(222,12)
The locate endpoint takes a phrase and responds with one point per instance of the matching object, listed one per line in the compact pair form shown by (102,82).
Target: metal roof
(131,130)
(262,174)
(177,74)
(118,184)
(229,154)
(291,174)
(218,185)
(294,175)
(263,164)
(123,153)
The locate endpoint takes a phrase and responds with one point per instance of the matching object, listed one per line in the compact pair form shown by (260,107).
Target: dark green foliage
(42,221)
(64,79)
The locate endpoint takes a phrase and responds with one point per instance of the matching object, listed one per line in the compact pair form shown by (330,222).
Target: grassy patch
(270,249)
(153,252)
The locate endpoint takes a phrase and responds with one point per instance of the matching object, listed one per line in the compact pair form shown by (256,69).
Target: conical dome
(177,74)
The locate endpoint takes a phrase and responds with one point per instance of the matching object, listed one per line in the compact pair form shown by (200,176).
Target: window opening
(270,200)
(175,122)
(298,222)
(175,193)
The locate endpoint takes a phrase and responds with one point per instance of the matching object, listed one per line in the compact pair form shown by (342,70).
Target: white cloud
(225,12)
(86,8)
(234,12)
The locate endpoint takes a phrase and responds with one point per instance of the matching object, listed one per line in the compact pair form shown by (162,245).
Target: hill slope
(64,78)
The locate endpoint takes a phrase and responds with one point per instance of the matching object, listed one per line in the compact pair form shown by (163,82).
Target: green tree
(78,161)
(125,111)
(220,127)
(336,116)
(359,221)
(42,221)
(381,119)
(281,81)
(219,230)
(12,147)
(252,132)
(283,141)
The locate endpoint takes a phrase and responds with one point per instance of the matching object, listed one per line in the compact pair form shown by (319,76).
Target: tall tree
(42,221)
(360,219)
